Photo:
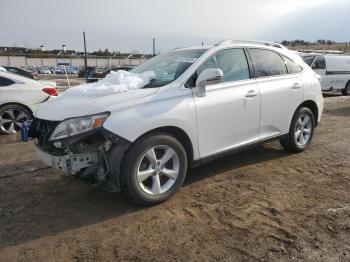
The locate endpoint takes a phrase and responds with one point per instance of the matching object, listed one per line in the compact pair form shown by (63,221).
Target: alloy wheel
(158,169)
(303,130)
(11,120)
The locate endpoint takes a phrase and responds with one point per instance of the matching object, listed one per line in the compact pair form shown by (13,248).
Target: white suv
(203,102)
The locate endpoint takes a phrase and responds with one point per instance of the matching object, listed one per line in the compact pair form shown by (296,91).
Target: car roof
(236,43)
(291,54)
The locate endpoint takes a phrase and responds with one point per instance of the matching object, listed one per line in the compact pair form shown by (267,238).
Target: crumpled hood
(63,107)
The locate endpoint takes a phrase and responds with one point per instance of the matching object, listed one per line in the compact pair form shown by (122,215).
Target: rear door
(281,92)
(228,116)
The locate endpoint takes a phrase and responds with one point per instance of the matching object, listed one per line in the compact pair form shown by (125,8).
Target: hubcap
(11,120)
(303,130)
(158,169)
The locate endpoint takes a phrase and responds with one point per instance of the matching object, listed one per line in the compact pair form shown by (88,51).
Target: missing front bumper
(68,163)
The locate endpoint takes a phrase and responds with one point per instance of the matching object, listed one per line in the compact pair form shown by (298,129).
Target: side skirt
(210,158)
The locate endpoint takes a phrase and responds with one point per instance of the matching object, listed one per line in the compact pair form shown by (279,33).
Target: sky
(130,25)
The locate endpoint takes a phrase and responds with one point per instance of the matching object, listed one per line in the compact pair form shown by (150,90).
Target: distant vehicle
(59,71)
(19,98)
(20,71)
(334,70)
(201,103)
(88,70)
(45,71)
(95,76)
(72,70)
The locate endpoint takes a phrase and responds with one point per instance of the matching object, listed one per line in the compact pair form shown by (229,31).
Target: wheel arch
(18,104)
(312,106)
(179,134)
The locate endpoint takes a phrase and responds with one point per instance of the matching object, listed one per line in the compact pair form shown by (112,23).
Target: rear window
(5,81)
(267,63)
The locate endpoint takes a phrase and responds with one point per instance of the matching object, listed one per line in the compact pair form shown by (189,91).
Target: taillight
(50,91)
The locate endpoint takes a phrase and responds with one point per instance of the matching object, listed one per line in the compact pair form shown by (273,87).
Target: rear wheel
(346,90)
(300,132)
(12,117)
(154,169)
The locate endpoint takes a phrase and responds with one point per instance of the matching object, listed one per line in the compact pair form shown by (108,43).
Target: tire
(346,90)
(146,177)
(11,118)
(303,123)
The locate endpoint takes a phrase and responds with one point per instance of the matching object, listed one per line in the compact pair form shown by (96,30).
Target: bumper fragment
(68,163)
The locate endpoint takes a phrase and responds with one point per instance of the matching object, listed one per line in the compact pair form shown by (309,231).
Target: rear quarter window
(292,67)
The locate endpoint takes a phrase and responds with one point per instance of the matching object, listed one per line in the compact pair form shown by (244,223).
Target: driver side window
(320,63)
(232,62)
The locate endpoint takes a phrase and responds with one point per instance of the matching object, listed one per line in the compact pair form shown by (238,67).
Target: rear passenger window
(267,63)
(292,67)
(5,81)
(232,62)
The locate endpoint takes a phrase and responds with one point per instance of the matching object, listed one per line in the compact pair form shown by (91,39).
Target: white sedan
(19,98)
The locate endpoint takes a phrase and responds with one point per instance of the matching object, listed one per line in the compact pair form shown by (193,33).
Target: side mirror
(207,77)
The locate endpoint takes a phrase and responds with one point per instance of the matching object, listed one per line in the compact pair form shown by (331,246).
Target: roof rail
(256,42)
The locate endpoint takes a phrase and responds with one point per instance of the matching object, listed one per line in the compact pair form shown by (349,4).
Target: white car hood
(64,107)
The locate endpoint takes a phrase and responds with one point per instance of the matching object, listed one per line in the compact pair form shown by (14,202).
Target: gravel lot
(258,205)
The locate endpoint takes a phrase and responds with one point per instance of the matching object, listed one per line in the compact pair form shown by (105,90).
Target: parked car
(19,97)
(82,72)
(97,75)
(72,70)
(21,71)
(204,102)
(59,71)
(45,71)
(334,70)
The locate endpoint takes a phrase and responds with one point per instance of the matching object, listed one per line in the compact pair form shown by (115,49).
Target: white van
(335,72)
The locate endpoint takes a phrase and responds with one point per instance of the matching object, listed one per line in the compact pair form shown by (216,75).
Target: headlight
(74,126)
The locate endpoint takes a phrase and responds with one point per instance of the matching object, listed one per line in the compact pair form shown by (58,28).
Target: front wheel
(154,169)
(300,132)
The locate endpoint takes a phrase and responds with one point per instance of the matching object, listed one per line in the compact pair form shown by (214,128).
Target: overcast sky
(127,25)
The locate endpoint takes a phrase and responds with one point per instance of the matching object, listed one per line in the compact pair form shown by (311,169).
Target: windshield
(169,66)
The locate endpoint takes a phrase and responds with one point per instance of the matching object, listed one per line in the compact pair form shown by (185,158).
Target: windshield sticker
(186,59)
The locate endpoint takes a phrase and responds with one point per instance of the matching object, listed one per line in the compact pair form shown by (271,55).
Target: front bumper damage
(68,163)
(95,156)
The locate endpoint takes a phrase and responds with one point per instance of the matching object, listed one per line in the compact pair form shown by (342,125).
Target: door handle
(251,93)
(296,86)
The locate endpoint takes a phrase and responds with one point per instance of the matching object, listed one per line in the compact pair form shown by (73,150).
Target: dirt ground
(258,205)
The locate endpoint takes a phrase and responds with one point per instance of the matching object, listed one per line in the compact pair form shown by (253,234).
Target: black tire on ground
(128,177)
(9,107)
(346,90)
(290,143)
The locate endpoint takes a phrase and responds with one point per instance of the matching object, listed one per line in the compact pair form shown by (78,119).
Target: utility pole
(154,46)
(346,46)
(85,56)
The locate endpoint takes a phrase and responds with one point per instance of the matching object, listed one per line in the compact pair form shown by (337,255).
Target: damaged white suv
(180,109)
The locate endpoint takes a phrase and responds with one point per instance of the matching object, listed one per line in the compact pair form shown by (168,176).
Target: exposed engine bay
(86,155)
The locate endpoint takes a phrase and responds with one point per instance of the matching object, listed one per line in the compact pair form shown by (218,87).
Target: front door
(228,116)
